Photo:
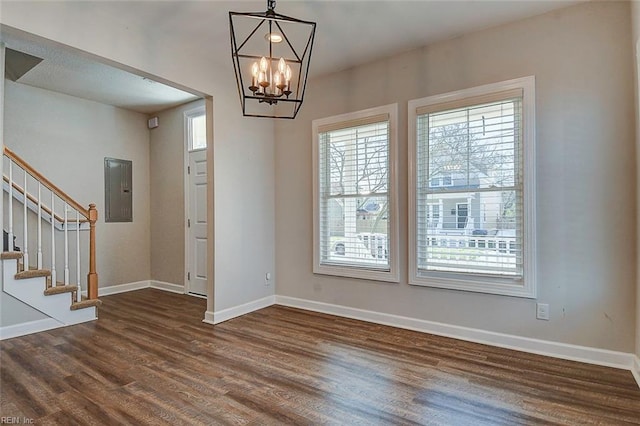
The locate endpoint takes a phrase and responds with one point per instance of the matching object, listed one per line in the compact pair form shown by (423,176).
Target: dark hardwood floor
(149,359)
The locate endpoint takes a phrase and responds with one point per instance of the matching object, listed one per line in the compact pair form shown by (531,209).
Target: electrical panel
(118,190)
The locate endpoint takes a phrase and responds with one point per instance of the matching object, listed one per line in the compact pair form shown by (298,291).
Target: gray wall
(635,23)
(66,139)
(581,59)
(167,152)
(244,202)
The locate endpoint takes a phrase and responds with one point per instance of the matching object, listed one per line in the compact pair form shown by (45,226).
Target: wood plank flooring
(149,359)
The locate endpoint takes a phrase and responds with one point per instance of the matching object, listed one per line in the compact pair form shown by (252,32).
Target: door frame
(187,114)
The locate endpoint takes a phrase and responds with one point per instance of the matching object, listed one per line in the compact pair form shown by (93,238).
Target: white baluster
(53,241)
(25,235)
(66,245)
(11,246)
(78,296)
(39,226)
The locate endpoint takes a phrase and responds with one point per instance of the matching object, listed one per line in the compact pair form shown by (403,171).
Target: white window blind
(469,170)
(354,208)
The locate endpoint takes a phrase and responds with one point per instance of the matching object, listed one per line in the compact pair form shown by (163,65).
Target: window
(442,180)
(196,128)
(355,206)
(433,215)
(472,154)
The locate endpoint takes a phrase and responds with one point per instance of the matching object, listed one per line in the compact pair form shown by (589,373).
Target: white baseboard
(208,317)
(30,327)
(236,311)
(123,288)
(138,285)
(525,344)
(635,369)
(161,285)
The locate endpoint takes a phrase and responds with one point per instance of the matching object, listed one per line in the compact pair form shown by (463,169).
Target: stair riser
(31,292)
(9,266)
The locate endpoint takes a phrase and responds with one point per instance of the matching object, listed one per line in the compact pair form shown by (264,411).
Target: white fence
(502,244)
(377,244)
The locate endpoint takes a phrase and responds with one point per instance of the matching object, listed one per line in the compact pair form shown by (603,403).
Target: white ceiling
(66,72)
(351,33)
(348,33)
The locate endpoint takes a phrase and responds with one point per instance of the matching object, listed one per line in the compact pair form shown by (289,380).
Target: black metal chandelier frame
(271,19)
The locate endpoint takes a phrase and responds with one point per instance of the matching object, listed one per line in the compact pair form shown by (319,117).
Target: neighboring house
(478,213)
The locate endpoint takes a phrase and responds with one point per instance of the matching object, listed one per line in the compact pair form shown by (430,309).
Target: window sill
(360,273)
(477,284)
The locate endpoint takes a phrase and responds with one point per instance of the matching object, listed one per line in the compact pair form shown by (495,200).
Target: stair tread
(32,274)
(60,289)
(11,255)
(86,304)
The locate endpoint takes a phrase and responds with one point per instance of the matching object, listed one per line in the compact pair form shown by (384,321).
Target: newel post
(92,278)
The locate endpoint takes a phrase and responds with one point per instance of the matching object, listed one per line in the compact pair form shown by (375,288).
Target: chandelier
(271,54)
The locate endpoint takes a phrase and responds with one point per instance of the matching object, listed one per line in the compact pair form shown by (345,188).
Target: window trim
(348,271)
(526,286)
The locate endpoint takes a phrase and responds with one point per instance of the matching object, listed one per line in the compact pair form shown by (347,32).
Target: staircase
(38,209)
(34,287)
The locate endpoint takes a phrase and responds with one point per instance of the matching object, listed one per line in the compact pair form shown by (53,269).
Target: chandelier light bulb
(264,65)
(277,81)
(282,66)
(254,77)
(287,74)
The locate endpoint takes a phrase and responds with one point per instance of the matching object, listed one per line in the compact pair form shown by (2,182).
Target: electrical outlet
(267,279)
(542,311)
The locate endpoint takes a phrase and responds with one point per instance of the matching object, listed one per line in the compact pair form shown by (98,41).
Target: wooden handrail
(35,201)
(91,214)
(46,182)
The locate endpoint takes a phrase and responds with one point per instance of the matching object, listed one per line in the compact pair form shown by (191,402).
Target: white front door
(197,224)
